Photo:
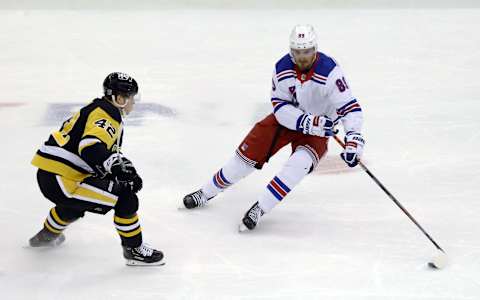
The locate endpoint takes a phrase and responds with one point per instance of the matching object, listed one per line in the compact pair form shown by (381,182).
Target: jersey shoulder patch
(285,68)
(284,64)
(325,65)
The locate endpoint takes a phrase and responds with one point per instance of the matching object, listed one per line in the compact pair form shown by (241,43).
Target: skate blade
(182,207)
(51,244)
(136,263)
(242,228)
(41,247)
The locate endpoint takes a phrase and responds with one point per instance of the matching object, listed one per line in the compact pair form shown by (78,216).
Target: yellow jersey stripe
(57,218)
(130,234)
(51,228)
(84,194)
(69,185)
(57,167)
(72,189)
(126,221)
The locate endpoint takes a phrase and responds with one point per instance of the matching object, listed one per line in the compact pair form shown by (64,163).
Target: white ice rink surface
(336,236)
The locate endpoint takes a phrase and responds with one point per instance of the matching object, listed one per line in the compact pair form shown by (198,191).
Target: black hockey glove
(123,171)
(136,184)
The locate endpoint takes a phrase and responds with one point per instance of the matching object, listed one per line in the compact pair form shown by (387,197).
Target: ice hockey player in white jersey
(309,96)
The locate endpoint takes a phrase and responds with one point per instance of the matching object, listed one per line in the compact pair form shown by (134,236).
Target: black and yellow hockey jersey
(64,153)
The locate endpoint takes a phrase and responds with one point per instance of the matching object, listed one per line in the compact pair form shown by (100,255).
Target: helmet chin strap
(120,106)
(114,99)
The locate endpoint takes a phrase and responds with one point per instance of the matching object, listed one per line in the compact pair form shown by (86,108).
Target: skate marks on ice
(6,105)
(333,164)
(55,113)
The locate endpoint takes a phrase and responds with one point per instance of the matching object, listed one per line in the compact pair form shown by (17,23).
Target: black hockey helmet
(118,83)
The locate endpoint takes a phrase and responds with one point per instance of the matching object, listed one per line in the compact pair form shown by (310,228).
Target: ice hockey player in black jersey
(81,169)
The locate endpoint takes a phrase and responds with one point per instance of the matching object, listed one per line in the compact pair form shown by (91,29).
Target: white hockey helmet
(303,37)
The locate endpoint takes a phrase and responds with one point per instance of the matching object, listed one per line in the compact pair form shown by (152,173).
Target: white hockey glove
(354,143)
(316,125)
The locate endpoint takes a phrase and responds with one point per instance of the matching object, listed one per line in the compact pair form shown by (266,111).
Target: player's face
(304,58)
(128,101)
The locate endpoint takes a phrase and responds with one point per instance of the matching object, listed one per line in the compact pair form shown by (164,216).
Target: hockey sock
(294,170)
(129,230)
(234,170)
(55,223)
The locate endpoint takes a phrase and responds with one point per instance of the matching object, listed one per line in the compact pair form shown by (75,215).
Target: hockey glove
(123,171)
(354,143)
(316,125)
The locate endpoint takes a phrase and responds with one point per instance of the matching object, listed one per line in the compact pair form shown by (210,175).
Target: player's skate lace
(144,249)
(199,198)
(255,213)
(251,218)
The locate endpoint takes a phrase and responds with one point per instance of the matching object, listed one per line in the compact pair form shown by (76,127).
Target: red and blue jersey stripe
(278,188)
(286,74)
(319,79)
(278,103)
(348,108)
(220,181)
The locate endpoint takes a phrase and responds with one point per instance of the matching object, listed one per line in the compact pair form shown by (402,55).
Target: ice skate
(143,255)
(251,218)
(195,199)
(46,238)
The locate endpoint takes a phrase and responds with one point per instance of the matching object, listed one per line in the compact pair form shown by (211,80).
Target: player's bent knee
(302,158)
(69,214)
(127,203)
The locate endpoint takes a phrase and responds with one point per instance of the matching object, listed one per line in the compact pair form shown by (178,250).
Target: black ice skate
(143,255)
(46,238)
(251,218)
(195,199)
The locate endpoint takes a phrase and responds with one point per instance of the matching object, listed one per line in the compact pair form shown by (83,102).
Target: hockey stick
(440,260)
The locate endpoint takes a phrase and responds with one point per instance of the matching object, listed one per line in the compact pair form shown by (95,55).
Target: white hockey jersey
(323,91)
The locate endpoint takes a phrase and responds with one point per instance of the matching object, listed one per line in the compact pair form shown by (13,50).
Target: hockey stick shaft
(391,197)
